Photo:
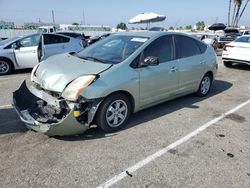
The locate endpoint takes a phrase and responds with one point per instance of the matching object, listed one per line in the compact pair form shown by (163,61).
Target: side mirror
(150,61)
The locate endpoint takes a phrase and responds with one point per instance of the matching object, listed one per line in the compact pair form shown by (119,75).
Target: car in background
(156,29)
(246,32)
(76,35)
(113,78)
(210,39)
(230,34)
(237,52)
(26,51)
(94,39)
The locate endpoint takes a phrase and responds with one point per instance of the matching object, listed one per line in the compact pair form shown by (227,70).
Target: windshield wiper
(92,59)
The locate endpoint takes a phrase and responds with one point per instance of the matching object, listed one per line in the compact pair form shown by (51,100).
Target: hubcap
(205,85)
(116,113)
(4,67)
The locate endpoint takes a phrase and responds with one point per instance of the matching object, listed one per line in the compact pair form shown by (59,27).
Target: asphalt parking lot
(151,151)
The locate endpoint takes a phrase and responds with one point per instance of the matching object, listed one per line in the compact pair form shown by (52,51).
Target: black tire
(6,66)
(227,64)
(205,85)
(107,110)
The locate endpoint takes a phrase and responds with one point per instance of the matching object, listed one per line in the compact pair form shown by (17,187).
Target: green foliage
(121,26)
(171,28)
(200,25)
(188,27)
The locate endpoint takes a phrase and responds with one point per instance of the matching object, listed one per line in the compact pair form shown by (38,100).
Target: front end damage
(51,114)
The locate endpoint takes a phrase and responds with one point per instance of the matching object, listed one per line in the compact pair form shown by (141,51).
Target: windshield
(243,39)
(8,40)
(113,49)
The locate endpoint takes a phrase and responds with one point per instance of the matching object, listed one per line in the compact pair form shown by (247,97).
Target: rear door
(191,62)
(54,44)
(26,53)
(159,82)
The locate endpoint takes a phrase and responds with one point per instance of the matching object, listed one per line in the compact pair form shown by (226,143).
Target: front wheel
(113,113)
(6,67)
(205,85)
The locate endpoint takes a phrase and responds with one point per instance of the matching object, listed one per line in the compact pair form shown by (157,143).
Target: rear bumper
(25,102)
(236,60)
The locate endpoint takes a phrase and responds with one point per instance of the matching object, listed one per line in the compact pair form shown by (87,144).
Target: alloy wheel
(116,113)
(4,67)
(205,85)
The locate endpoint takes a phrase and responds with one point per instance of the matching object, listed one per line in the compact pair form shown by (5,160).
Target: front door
(160,82)
(55,44)
(26,53)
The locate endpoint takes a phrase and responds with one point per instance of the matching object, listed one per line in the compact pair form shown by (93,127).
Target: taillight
(227,46)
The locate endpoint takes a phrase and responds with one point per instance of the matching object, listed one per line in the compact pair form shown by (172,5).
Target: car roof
(150,34)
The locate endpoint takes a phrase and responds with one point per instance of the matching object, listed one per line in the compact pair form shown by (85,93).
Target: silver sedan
(26,51)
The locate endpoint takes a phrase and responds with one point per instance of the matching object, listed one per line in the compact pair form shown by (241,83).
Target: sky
(111,12)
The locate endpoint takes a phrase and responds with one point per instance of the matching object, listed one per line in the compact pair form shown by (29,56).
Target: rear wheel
(6,67)
(113,113)
(227,63)
(205,85)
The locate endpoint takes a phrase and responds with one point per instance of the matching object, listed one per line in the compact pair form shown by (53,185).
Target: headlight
(75,88)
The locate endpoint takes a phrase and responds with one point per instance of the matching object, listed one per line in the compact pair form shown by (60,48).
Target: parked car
(94,39)
(26,51)
(113,78)
(76,35)
(237,52)
(246,32)
(230,34)
(156,29)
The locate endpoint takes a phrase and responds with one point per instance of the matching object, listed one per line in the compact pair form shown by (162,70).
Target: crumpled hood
(56,72)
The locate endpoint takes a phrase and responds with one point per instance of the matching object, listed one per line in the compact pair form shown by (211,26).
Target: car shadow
(10,123)
(154,112)
(17,72)
(242,67)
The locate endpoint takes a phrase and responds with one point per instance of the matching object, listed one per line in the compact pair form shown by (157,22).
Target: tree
(188,27)
(200,25)
(171,28)
(121,26)
(75,23)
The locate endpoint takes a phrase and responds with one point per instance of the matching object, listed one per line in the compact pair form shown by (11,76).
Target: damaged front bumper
(47,114)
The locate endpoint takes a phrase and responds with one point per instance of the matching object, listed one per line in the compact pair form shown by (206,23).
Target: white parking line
(5,106)
(161,152)
(13,77)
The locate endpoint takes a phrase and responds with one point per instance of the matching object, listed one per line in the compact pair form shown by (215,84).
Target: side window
(54,39)
(161,48)
(203,47)
(30,41)
(186,46)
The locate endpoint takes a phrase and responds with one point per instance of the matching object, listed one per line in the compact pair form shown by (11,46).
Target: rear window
(74,35)
(54,39)
(243,39)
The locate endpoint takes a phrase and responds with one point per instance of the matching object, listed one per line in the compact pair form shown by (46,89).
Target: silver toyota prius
(108,81)
(26,51)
